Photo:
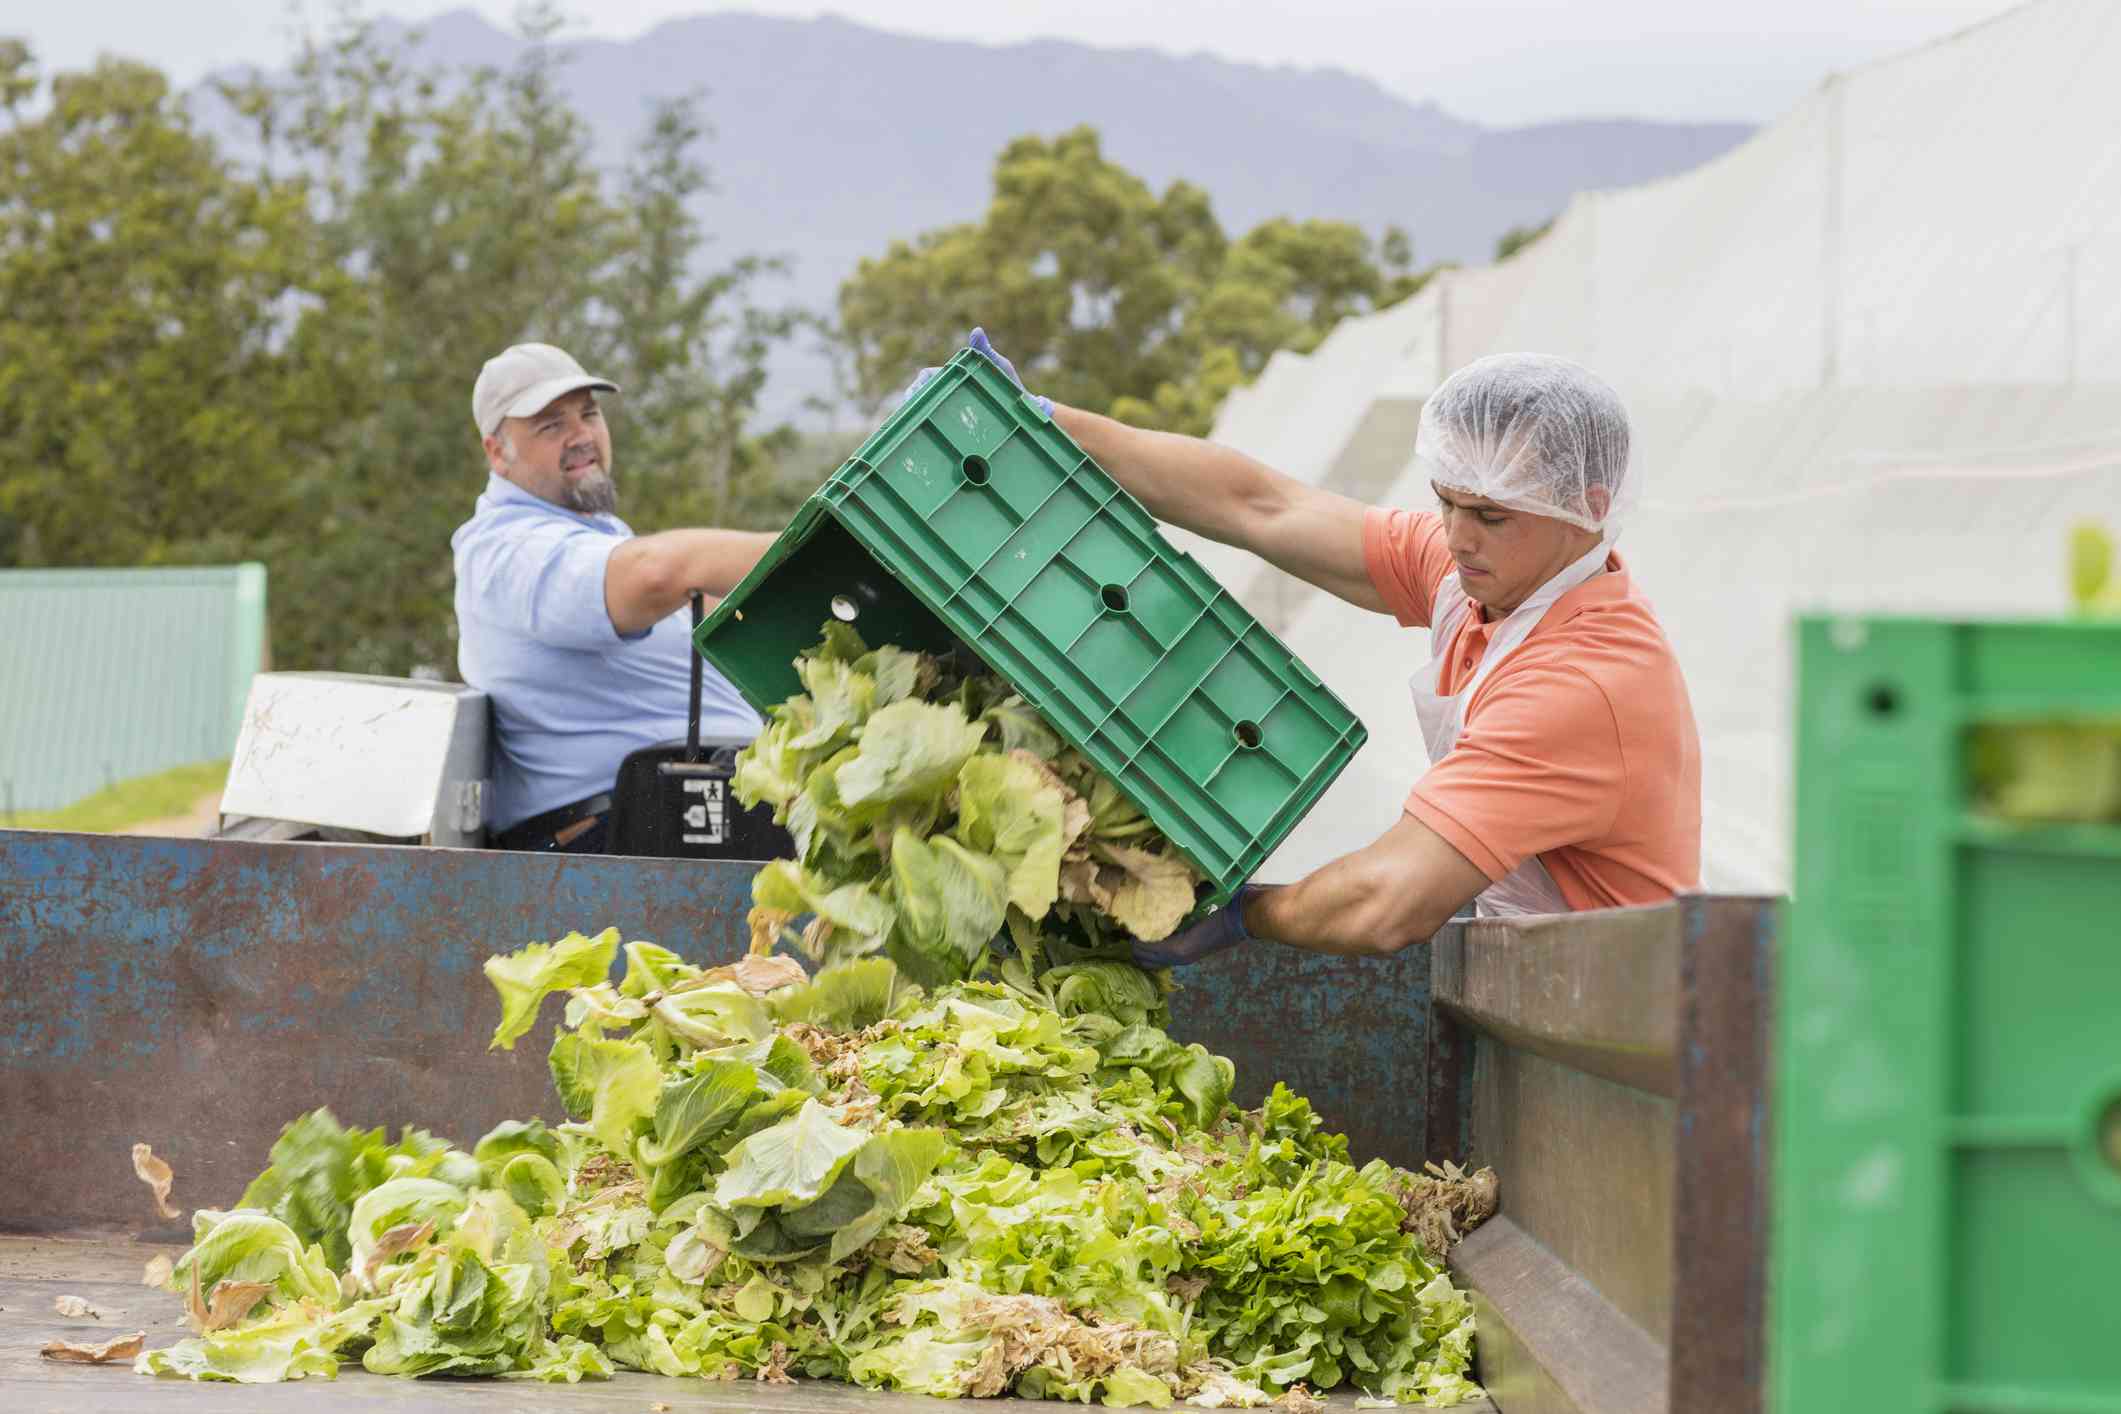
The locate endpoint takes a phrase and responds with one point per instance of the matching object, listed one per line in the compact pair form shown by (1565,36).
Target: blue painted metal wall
(197,994)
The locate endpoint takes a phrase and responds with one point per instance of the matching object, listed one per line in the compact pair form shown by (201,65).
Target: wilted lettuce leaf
(1012,811)
(288,1343)
(526,977)
(244,1247)
(911,751)
(1156,894)
(951,902)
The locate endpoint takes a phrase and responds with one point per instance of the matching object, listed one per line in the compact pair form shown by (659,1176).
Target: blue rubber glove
(980,345)
(1218,932)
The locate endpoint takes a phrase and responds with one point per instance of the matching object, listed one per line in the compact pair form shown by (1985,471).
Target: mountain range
(831,138)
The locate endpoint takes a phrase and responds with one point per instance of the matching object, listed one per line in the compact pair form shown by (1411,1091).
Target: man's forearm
(1395,892)
(1208,489)
(651,576)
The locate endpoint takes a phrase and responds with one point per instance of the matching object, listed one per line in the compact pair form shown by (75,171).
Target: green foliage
(266,352)
(931,809)
(1108,295)
(133,802)
(1518,237)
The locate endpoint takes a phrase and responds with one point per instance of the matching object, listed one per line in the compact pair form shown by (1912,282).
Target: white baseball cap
(520,380)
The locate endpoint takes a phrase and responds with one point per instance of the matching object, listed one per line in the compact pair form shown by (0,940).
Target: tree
(1108,295)
(150,396)
(1518,237)
(474,214)
(266,350)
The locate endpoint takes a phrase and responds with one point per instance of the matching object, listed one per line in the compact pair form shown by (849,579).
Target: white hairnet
(1534,433)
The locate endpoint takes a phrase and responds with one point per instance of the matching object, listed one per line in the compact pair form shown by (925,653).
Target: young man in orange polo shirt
(1566,769)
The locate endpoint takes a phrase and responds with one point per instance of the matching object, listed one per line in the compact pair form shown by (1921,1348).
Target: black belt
(538,830)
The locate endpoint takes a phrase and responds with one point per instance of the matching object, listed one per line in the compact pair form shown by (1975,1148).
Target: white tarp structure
(1873,362)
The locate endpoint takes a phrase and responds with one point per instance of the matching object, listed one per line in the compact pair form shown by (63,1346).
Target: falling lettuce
(1014,1184)
(934,812)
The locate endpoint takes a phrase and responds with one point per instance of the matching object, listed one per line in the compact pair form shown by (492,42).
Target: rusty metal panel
(197,994)
(1586,1169)
(1593,991)
(1619,1086)
(1351,1034)
(1720,1207)
(1549,1342)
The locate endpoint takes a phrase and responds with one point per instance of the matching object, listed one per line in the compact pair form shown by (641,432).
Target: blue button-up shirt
(571,694)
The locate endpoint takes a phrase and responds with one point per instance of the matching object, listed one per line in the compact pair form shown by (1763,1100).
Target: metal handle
(692,712)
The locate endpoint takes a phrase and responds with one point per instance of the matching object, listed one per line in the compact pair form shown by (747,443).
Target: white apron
(1529,888)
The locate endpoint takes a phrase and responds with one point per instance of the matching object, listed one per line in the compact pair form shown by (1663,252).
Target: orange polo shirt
(1579,748)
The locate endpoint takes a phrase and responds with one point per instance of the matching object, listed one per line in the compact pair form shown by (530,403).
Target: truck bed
(34,1271)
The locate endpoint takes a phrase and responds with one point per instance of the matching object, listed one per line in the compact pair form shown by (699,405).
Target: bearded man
(572,625)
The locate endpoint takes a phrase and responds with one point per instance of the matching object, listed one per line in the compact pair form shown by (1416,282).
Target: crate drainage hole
(1883,700)
(1248,735)
(976,470)
(1115,597)
(843,608)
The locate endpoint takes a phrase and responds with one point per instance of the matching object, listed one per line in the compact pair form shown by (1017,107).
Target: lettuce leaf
(1011,810)
(790,1163)
(951,902)
(911,751)
(320,1169)
(526,977)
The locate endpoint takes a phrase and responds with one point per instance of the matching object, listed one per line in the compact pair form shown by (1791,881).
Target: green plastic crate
(969,519)
(1947,1229)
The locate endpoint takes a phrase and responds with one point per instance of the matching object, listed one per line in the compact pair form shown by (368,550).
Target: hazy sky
(1497,61)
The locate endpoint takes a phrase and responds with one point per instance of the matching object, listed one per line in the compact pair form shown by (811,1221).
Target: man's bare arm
(1394,892)
(649,577)
(1225,495)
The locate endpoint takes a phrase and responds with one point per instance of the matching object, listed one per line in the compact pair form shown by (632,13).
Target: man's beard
(594,495)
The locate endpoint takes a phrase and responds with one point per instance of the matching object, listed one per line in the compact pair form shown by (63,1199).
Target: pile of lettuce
(933,809)
(1017,1184)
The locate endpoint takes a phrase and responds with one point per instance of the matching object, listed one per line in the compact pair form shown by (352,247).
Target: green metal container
(970,519)
(1947,1228)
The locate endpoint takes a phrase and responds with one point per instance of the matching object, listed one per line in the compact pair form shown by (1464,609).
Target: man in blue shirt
(571,624)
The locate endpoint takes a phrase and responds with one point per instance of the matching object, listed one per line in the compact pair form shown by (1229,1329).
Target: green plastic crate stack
(1948,1099)
(970,522)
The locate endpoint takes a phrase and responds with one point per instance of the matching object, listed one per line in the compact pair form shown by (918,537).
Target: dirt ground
(190,825)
